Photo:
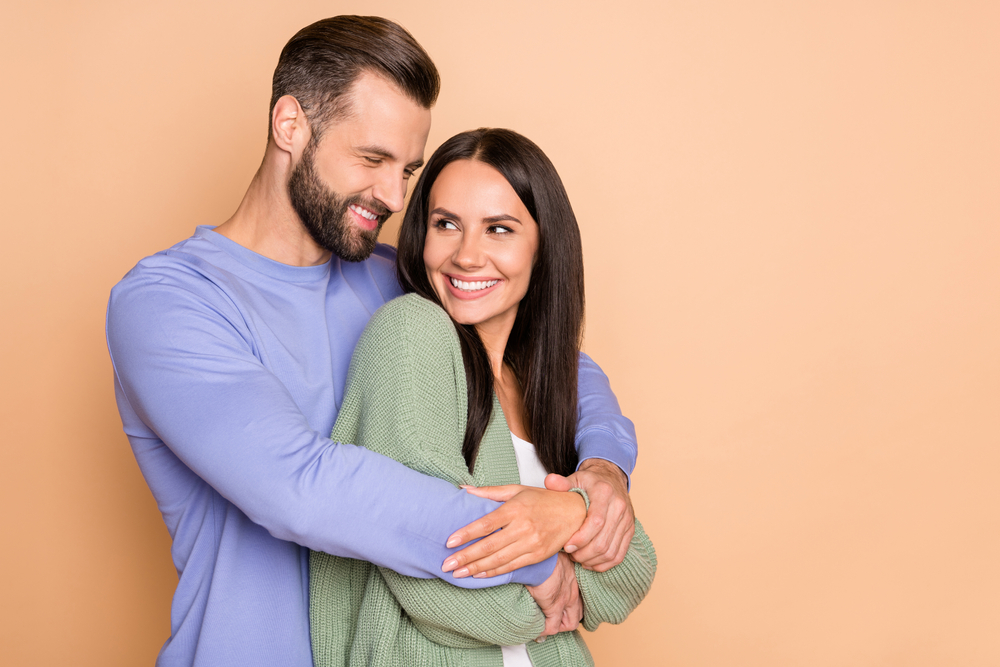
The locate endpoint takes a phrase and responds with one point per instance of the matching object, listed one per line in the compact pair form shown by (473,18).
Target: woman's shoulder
(413,318)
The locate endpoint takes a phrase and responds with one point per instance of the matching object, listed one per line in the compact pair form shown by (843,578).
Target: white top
(531,472)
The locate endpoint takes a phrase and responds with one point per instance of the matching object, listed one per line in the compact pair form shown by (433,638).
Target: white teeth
(473,286)
(364,213)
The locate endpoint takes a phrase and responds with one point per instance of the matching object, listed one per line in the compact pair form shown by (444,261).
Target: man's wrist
(606,468)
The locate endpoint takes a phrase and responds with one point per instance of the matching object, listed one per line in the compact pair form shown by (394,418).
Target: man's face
(348,182)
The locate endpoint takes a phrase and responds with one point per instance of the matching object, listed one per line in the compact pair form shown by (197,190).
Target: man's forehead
(382,121)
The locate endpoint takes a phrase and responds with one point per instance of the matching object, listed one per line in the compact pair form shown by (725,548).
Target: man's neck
(266,223)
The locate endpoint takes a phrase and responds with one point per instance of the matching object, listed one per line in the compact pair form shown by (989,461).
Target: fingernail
(450,565)
(479,575)
(452,542)
(540,640)
(464,572)
(570,548)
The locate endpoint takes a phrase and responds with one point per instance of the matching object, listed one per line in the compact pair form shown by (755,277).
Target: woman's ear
(290,129)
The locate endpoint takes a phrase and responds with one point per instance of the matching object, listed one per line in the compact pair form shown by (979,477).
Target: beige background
(791,219)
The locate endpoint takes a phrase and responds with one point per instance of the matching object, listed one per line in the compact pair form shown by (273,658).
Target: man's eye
(373,160)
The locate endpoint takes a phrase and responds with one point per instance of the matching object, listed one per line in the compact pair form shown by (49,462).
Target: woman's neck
(505,383)
(495,341)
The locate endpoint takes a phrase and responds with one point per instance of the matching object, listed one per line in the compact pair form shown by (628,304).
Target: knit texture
(406,398)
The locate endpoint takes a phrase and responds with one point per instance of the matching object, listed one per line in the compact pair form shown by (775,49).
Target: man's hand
(559,598)
(536,524)
(604,538)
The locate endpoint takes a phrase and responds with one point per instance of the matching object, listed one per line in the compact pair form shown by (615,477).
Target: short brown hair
(321,62)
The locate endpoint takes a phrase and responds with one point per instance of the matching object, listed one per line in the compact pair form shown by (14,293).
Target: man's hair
(543,347)
(321,62)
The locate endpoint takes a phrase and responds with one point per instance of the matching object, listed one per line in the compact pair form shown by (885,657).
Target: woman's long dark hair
(543,347)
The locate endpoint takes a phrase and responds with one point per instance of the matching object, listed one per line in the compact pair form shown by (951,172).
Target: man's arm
(188,376)
(602,432)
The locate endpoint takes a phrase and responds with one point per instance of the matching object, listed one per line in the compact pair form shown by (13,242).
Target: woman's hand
(559,598)
(536,524)
(604,538)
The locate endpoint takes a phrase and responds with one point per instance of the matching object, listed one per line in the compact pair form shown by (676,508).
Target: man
(231,352)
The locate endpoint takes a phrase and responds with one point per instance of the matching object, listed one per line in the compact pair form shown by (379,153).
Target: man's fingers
(499,493)
(602,562)
(604,545)
(554,482)
(591,527)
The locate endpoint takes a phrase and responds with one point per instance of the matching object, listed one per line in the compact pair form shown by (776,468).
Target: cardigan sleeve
(608,597)
(406,399)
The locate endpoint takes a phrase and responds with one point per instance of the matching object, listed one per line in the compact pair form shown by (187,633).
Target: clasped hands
(537,523)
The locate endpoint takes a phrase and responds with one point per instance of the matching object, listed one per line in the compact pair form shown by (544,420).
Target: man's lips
(367,218)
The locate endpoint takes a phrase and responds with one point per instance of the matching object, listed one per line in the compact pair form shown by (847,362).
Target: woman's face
(480,246)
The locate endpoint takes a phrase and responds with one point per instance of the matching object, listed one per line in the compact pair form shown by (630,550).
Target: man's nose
(390,189)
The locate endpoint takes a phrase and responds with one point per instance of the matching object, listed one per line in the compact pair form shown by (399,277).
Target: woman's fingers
(559,598)
(499,493)
(536,524)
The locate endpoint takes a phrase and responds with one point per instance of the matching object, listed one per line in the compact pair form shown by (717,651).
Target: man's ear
(290,128)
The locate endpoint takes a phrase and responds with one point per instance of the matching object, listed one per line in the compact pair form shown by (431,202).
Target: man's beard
(325,215)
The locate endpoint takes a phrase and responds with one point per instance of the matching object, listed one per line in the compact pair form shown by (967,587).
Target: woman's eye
(500,229)
(444,223)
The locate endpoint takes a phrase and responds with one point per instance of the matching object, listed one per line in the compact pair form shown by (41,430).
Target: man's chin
(358,249)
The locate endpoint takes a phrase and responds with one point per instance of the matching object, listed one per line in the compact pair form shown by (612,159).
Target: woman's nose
(469,253)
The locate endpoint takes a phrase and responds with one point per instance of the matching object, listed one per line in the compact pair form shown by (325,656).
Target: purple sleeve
(188,381)
(601,430)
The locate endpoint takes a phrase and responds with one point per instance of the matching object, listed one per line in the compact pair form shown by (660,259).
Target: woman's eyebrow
(493,219)
(501,218)
(440,210)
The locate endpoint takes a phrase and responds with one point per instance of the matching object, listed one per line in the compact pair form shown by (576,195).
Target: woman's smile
(471,288)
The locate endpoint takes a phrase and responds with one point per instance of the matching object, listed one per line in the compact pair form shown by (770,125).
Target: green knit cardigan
(406,398)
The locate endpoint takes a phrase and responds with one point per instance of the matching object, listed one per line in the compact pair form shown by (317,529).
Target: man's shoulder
(187,262)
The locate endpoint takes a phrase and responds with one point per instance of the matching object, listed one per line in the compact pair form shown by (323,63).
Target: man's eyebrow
(388,155)
(377,150)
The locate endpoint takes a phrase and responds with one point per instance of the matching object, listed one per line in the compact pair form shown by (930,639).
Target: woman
(456,379)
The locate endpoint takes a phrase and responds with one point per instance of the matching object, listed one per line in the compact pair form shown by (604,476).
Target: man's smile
(369,216)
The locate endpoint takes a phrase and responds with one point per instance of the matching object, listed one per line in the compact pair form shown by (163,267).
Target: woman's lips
(471,287)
